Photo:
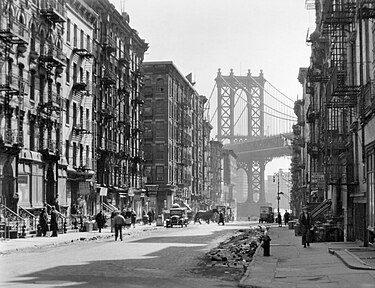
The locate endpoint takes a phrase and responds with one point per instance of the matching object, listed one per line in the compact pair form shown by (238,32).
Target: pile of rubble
(237,251)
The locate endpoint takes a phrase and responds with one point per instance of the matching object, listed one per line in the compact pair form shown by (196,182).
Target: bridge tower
(228,88)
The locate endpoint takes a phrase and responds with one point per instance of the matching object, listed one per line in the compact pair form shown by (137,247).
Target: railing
(368,97)
(30,219)
(9,81)
(62,220)
(57,6)
(108,41)
(13,25)
(50,52)
(13,222)
(11,136)
(108,208)
(52,146)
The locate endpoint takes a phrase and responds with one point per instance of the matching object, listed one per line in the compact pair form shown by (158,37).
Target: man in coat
(54,222)
(100,220)
(305,222)
(118,222)
(43,222)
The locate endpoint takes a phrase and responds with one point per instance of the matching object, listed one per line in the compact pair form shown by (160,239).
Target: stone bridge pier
(255,171)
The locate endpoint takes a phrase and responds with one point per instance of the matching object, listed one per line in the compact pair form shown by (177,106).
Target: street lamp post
(278,194)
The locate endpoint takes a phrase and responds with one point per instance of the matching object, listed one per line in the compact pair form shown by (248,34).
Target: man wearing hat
(305,222)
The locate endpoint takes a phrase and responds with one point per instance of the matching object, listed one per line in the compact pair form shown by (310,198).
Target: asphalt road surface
(160,258)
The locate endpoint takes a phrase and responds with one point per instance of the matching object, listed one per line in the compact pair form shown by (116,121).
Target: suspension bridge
(254,119)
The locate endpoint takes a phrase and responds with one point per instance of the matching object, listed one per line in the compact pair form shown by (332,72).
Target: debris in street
(237,251)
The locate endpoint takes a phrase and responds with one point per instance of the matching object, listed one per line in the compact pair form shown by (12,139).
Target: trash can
(88,226)
(297,230)
(291,224)
(159,220)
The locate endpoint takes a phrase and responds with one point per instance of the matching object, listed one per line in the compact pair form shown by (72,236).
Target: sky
(200,36)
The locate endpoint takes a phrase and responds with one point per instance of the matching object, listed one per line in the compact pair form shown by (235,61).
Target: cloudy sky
(200,36)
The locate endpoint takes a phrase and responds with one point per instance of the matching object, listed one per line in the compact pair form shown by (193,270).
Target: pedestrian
(43,222)
(144,217)
(118,222)
(221,218)
(54,222)
(305,224)
(196,218)
(279,221)
(133,217)
(100,220)
(265,243)
(150,217)
(286,217)
(57,205)
(128,218)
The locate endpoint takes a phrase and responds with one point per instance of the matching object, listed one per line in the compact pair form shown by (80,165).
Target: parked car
(177,217)
(266,214)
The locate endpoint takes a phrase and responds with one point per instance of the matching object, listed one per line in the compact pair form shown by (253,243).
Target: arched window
(33,35)
(42,41)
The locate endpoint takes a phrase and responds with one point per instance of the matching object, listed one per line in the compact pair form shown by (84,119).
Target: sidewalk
(21,244)
(323,264)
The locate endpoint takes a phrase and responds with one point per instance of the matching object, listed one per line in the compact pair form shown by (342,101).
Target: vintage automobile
(177,217)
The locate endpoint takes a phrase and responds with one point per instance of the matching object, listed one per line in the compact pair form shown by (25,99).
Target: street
(158,258)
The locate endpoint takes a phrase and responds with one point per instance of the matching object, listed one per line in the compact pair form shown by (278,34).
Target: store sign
(131,192)
(317,179)
(84,188)
(152,190)
(103,191)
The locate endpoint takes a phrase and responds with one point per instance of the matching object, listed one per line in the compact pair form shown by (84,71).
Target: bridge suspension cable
(291,118)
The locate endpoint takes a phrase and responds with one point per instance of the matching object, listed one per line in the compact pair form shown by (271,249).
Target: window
(159,151)
(74,114)
(81,74)
(88,44)
(371,186)
(87,156)
(67,147)
(75,40)
(159,107)
(74,73)
(68,31)
(42,84)
(82,39)
(67,70)
(67,107)
(32,85)
(74,154)
(159,173)
(33,35)
(81,151)
(32,135)
(87,119)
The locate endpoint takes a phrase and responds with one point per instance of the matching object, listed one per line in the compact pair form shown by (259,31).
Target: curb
(349,259)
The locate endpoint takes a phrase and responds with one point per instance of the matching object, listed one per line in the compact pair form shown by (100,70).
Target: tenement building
(333,168)
(173,139)
(71,132)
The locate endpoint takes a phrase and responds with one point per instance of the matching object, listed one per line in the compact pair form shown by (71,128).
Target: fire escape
(341,97)
(83,90)
(106,113)
(123,124)
(13,33)
(184,141)
(137,131)
(51,63)
(367,99)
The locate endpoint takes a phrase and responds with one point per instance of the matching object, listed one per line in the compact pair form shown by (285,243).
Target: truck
(266,214)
